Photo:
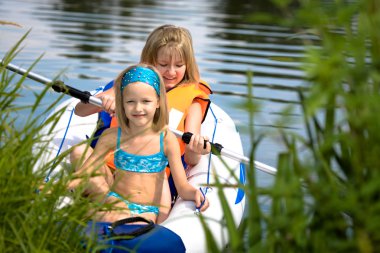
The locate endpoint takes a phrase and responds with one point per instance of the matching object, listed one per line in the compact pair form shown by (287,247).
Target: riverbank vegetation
(325,194)
(33,219)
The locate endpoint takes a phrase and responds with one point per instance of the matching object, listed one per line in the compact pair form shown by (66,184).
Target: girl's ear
(158,103)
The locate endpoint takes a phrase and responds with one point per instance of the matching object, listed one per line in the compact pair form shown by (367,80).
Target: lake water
(92,40)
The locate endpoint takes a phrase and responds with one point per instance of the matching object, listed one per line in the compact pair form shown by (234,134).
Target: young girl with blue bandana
(142,146)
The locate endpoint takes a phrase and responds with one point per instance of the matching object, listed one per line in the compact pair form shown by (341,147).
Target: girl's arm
(185,190)
(108,104)
(95,165)
(195,148)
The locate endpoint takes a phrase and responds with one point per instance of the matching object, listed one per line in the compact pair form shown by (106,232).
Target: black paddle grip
(216,148)
(59,86)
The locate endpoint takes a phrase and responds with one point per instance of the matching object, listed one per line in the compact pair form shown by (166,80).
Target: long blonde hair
(161,116)
(174,40)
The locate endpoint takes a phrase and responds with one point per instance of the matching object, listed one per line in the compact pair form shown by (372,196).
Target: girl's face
(171,67)
(140,102)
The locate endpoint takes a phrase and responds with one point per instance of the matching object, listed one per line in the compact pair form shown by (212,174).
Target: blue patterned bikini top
(139,163)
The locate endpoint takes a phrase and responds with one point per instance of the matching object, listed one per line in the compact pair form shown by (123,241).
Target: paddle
(59,87)
(217,149)
(86,97)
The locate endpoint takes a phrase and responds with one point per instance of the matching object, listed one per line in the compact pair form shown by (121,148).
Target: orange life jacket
(179,101)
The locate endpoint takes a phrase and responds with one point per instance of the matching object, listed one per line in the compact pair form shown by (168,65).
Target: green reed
(29,219)
(325,195)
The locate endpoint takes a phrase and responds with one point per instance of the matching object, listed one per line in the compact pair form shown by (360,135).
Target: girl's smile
(138,115)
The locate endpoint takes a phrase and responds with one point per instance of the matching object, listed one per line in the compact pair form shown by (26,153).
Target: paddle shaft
(59,87)
(86,97)
(218,149)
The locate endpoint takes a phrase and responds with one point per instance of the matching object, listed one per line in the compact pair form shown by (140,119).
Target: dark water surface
(92,40)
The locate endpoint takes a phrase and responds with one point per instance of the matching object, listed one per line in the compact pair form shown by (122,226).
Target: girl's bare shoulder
(170,140)
(169,135)
(108,137)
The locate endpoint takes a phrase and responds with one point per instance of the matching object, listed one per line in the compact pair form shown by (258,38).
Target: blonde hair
(161,116)
(174,40)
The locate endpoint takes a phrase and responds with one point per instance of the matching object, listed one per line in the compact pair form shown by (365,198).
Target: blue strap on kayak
(198,208)
(240,193)
(47,178)
(212,140)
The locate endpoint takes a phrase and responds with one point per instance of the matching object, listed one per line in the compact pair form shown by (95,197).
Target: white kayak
(183,220)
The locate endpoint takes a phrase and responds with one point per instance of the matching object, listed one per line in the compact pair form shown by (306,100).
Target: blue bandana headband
(141,74)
